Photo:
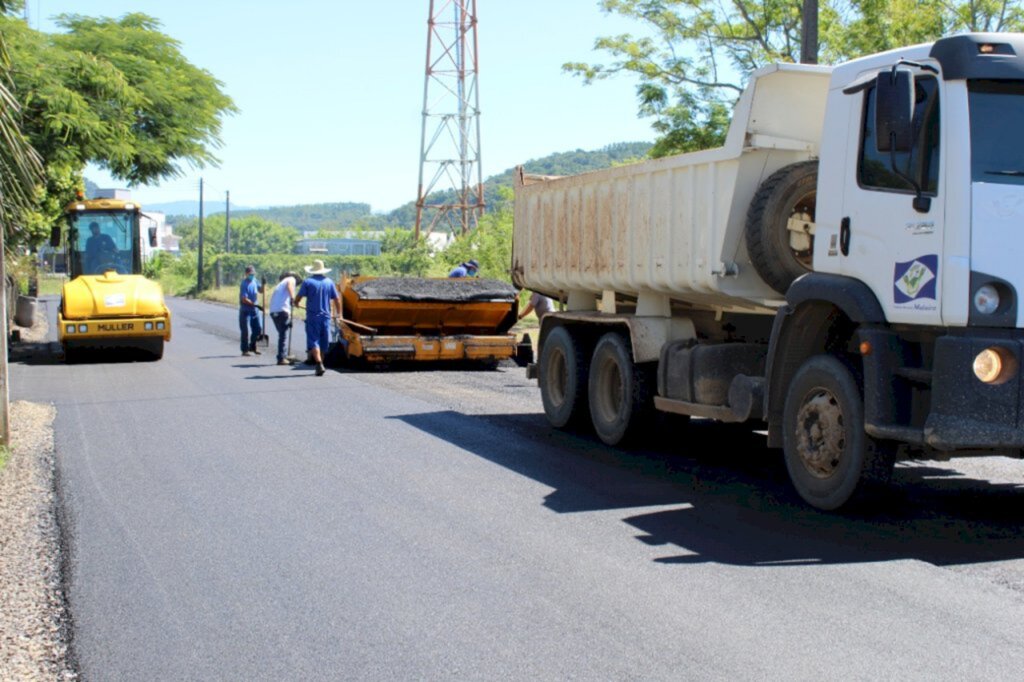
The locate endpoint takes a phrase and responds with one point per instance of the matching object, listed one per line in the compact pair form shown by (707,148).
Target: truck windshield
(997,131)
(103,241)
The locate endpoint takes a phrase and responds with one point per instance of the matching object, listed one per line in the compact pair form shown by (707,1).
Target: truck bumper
(113,329)
(967,413)
(960,412)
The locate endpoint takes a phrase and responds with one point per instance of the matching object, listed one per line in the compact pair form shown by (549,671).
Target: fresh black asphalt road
(229,519)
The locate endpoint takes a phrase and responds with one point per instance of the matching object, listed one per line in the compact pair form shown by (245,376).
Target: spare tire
(778,254)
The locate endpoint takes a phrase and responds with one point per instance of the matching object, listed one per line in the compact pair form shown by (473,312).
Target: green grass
(51,285)
(221,295)
(5,455)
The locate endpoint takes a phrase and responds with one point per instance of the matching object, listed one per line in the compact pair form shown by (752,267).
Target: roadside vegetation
(268,246)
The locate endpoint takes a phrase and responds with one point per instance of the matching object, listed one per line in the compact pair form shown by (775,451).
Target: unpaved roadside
(34,623)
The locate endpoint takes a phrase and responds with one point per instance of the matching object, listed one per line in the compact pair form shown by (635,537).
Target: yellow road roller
(108,304)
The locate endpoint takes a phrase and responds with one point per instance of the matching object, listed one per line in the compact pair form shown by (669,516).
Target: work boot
(246,353)
(283,362)
(256,351)
(320,369)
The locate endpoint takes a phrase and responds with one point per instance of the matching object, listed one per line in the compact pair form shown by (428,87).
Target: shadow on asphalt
(735,504)
(413,366)
(41,353)
(50,353)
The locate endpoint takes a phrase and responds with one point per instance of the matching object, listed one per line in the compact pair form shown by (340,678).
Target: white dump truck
(843,273)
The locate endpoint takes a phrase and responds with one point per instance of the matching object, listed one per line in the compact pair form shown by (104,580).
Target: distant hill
(345,215)
(560,163)
(312,216)
(191,208)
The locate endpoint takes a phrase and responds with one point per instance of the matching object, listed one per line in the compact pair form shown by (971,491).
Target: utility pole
(227,222)
(5,392)
(199,274)
(809,33)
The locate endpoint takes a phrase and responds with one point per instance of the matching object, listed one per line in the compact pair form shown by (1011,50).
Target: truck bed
(670,227)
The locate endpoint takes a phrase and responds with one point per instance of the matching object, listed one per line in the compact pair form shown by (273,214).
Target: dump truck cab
(108,303)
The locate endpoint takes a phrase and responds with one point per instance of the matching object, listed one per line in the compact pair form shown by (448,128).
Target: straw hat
(317,268)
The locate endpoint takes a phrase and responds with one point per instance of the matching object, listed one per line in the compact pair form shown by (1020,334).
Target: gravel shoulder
(34,621)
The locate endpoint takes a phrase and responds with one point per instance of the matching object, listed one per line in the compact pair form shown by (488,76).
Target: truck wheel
(562,374)
(831,460)
(779,254)
(619,391)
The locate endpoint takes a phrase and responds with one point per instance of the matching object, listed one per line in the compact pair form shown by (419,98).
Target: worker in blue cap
(467,269)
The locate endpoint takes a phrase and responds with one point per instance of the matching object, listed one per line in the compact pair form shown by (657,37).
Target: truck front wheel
(619,391)
(830,459)
(562,374)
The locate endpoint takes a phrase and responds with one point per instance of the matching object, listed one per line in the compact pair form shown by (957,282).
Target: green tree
(116,92)
(249,235)
(490,243)
(20,166)
(693,56)
(403,254)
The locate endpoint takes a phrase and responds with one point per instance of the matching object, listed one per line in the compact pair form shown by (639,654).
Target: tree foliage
(249,235)
(691,57)
(490,243)
(115,92)
(20,165)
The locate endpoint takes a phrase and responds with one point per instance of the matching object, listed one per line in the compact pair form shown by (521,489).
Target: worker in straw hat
(323,304)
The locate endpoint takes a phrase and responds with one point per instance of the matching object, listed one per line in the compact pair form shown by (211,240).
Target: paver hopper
(414,318)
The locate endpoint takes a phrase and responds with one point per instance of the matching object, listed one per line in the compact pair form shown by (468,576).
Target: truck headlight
(82,328)
(995,365)
(986,299)
(160,325)
(149,326)
(69,329)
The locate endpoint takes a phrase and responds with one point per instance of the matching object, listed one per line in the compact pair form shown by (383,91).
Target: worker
(538,303)
(249,322)
(99,250)
(281,312)
(467,269)
(324,303)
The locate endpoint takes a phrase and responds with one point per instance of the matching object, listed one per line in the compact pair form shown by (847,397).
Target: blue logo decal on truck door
(916,280)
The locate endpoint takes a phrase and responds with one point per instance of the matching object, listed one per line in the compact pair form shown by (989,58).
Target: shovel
(264,337)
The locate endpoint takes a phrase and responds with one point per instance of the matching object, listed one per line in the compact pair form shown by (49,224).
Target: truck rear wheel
(562,374)
(778,253)
(830,458)
(619,391)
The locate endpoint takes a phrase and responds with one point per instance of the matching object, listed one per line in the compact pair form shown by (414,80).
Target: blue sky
(331,92)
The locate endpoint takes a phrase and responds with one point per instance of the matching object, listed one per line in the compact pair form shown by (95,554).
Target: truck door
(886,242)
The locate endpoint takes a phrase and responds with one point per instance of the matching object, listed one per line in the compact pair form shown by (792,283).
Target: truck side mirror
(152,237)
(894,110)
(55,236)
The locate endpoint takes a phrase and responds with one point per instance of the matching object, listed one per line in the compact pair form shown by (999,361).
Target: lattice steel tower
(450,141)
